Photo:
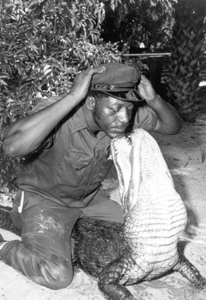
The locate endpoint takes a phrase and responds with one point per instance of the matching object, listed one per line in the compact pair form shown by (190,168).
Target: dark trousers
(44,254)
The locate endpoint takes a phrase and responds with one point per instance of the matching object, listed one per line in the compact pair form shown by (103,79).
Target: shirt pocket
(74,168)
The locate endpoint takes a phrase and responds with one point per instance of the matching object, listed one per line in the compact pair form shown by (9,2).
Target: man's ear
(90,103)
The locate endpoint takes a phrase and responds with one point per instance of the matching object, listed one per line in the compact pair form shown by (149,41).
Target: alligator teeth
(128,138)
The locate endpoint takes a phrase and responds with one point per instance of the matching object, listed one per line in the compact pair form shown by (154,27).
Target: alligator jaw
(122,161)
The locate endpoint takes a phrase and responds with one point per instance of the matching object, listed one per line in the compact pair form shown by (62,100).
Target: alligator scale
(145,247)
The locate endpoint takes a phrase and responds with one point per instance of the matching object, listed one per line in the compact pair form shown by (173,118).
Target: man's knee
(56,276)
(62,280)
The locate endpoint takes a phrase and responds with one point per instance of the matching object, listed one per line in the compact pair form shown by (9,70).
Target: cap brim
(131,95)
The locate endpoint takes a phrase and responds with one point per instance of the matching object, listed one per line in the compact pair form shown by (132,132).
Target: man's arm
(25,135)
(168,121)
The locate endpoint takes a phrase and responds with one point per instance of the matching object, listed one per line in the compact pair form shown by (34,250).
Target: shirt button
(97,153)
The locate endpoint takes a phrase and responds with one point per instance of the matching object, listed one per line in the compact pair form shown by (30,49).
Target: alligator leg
(189,271)
(109,281)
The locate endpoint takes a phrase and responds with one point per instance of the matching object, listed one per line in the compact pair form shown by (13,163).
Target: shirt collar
(78,121)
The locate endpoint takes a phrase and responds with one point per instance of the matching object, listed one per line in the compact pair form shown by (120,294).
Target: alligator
(145,246)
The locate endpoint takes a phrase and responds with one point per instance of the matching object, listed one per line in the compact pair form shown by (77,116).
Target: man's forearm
(25,135)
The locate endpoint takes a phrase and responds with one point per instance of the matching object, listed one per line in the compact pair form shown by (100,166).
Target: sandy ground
(186,157)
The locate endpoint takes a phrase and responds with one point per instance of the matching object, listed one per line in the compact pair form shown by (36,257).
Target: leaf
(47,72)
(47,66)
(2,82)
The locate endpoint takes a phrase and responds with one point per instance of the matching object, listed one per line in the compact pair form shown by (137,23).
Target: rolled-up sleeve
(53,136)
(145,118)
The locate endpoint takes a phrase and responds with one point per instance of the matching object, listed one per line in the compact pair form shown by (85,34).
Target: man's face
(113,116)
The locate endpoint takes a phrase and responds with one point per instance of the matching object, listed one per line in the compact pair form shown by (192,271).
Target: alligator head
(124,150)
(145,183)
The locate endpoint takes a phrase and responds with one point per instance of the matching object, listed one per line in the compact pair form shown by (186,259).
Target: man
(66,142)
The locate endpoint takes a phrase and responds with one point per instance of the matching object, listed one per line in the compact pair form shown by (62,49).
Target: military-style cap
(119,81)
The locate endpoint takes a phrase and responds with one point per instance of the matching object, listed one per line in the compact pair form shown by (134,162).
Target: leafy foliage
(134,22)
(188,59)
(45,43)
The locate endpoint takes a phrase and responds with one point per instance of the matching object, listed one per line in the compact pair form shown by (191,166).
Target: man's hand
(146,90)
(168,121)
(82,82)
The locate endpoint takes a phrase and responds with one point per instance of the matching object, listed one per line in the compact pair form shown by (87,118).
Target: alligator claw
(186,268)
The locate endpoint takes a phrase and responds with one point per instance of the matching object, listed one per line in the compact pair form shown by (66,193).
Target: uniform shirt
(72,162)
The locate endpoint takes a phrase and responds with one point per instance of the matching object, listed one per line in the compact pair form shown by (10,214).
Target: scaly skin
(154,212)
(145,247)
